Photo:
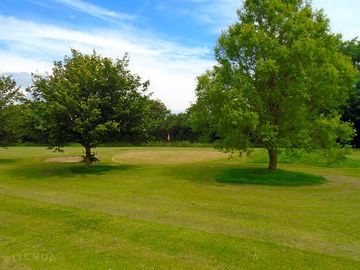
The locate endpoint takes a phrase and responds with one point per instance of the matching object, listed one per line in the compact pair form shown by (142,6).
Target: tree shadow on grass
(259,176)
(201,174)
(65,170)
(220,174)
(7,160)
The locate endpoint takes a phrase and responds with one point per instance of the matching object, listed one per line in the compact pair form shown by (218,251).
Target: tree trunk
(272,158)
(88,156)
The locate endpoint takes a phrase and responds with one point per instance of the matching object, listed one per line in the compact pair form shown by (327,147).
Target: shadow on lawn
(244,176)
(260,176)
(65,170)
(7,160)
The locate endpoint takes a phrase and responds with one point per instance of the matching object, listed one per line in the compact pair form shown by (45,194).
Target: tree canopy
(9,94)
(158,115)
(279,81)
(88,99)
(351,110)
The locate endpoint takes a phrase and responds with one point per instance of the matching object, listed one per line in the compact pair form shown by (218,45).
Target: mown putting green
(146,215)
(64,159)
(167,156)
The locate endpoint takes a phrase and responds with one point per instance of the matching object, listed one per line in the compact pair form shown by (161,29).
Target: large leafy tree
(158,115)
(279,79)
(88,99)
(9,94)
(351,110)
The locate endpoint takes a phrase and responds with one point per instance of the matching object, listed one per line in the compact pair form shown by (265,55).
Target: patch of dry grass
(65,159)
(167,156)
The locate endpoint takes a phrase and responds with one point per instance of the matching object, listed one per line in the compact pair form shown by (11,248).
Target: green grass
(260,176)
(172,214)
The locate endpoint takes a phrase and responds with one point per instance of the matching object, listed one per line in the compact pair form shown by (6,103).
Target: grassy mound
(267,177)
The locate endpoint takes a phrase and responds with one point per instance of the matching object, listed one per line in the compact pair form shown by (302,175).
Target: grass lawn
(162,208)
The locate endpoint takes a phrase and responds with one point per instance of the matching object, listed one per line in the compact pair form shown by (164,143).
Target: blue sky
(169,42)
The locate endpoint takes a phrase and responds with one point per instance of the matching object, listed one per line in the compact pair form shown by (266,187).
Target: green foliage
(9,94)
(180,129)
(158,119)
(352,49)
(88,99)
(268,177)
(199,121)
(279,81)
(351,110)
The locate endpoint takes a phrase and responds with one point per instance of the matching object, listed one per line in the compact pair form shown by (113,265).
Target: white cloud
(170,67)
(95,11)
(15,63)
